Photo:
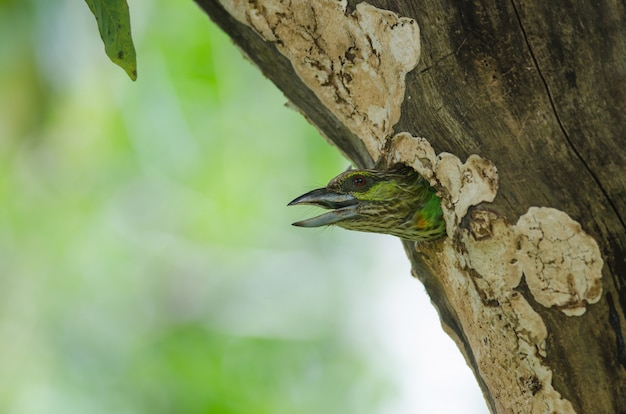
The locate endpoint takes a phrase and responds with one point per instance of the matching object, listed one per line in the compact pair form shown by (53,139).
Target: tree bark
(531,286)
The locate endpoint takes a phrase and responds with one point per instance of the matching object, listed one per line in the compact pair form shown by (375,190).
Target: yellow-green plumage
(397,201)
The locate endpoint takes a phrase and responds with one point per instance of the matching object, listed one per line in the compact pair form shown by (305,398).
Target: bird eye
(358,181)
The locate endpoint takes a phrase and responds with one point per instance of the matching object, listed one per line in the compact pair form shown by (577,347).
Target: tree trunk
(531,280)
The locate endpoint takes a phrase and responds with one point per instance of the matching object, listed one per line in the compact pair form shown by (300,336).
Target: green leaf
(114,26)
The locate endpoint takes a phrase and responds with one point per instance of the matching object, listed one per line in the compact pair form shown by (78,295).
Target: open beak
(343,207)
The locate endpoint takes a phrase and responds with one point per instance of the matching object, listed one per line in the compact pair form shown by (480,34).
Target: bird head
(396,201)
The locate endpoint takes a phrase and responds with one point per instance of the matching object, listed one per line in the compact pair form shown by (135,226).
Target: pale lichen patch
(416,152)
(355,63)
(469,183)
(562,263)
(506,335)
(490,247)
(530,328)
(480,268)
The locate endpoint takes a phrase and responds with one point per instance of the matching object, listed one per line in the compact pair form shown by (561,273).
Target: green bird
(397,201)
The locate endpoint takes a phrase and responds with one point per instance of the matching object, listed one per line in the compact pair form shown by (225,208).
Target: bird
(396,201)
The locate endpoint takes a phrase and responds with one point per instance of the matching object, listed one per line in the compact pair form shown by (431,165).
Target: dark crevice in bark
(616,325)
(558,118)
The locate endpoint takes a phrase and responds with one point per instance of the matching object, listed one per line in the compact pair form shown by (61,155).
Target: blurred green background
(147,262)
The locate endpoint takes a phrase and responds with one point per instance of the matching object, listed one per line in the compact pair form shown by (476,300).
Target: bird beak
(343,207)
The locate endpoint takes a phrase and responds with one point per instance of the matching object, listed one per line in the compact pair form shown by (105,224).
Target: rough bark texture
(534,297)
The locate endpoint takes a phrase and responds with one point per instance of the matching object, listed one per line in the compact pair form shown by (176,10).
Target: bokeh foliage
(142,269)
